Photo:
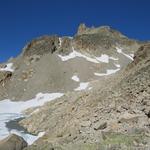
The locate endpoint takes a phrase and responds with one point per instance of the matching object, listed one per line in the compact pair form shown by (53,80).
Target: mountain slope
(115,115)
(100,82)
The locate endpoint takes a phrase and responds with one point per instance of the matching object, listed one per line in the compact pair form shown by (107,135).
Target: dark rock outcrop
(13,142)
(4,76)
(41,46)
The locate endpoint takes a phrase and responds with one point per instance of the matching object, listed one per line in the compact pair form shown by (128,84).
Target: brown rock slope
(115,114)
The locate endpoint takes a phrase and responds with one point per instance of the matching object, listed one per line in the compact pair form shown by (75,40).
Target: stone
(85,124)
(127,117)
(100,126)
(13,142)
(4,76)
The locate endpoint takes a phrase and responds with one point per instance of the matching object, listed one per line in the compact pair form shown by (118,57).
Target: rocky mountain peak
(81,29)
(103,31)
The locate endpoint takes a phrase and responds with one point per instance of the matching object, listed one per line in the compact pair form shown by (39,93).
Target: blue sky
(23,20)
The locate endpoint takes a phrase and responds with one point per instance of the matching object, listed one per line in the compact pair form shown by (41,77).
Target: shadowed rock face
(13,142)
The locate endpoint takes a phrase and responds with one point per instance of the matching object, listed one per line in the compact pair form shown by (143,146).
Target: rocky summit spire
(82,28)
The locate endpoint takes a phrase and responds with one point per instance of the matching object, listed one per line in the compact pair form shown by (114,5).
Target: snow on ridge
(82,86)
(70,37)
(77,54)
(9,67)
(108,72)
(119,50)
(75,78)
(60,42)
(103,58)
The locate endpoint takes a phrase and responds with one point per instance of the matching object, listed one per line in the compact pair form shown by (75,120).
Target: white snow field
(10,110)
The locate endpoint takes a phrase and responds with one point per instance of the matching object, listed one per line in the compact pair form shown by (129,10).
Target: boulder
(4,76)
(100,126)
(13,142)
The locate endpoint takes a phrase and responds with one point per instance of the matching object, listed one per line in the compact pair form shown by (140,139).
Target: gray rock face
(13,142)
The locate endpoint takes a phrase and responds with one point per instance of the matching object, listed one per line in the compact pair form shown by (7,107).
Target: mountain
(48,63)
(100,79)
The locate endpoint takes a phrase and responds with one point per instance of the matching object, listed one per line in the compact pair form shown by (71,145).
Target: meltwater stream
(11,112)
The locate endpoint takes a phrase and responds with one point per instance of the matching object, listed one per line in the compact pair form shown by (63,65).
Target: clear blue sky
(23,20)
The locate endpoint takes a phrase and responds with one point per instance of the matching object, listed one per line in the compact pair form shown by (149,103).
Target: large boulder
(13,142)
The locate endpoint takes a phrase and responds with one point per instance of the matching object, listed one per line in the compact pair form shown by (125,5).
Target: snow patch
(82,86)
(75,78)
(9,67)
(119,50)
(60,42)
(10,110)
(117,65)
(103,58)
(90,88)
(30,139)
(113,58)
(108,72)
(132,55)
